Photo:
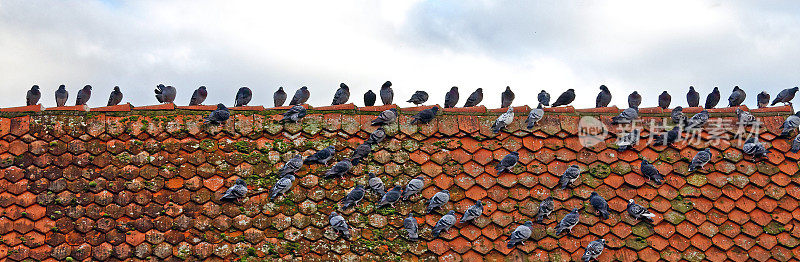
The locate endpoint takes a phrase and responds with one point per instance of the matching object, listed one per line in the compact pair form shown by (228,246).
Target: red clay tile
(116,108)
(32,108)
(474,109)
(68,108)
(165,106)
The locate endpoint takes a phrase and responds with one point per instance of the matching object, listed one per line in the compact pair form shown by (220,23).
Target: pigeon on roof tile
(795,144)
(218,116)
(411,225)
(570,175)
(438,200)
(627,116)
(235,192)
(700,159)
(283,185)
(600,205)
(391,197)
(472,212)
(322,156)
(568,222)
(339,169)
(520,234)
(385,117)
(754,148)
(376,185)
(294,114)
(376,136)
(352,198)
(413,187)
(534,116)
(628,140)
(292,166)
(503,120)
(790,124)
(425,116)
(638,212)
(677,115)
(669,137)
(593,250)
(545,209)
(339,224)
(446,222)
(650,172)
(508,162)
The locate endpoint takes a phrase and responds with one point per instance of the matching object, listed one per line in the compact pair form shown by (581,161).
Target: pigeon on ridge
(664,100)
(762,99)
(565,98)
(83,95)
(387,94)
(544,98)
(603,98)
(279,97)
(503,120)
(677,116)
(737,97)
(425,116)
(745,117)
(369,98)
(218,116)
(626,116)
(300,96)
(342,95)
(713,98)
(165,94)
(243,96)
(697,120)
(115,98)
(634,99)
(506,98)
(451,97)
(475,98)
(693,97)
(385,117)
(33,96)
(419,98)
(785,96)
(61,96)
(199,96)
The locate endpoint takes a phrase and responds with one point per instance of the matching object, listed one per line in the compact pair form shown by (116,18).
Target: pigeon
(390,197)
(503,120)
(639,212)
(165,94)
(300,96)
(534,116)
(61,96)
(565,98)
(360,153)
(697,120)
(115,98)
(626,116)
(713,98)
(342,95)
(444,224)
(754,148)
(677,115)
(283,185)
(506,98)
(376,136)
(520,234)
(472,212)
(339,169)
(762,99)
(386,117)
(664,99)
(411,224)
(33,96)
(628,140)
(603,98)
(375,185)
(508,162)
(451,98)
(545,209)
(294,114)
(568,222)
(570,175)
(339,225)
(737,97)
(600,205)
(745,117)
(425,116)
(322,156)
(669,137)
(544,98)
(785,96)
(419,98)
(700,159)
(83,95)
(279,97)
(650,172)
(795,144)
(791,123)
(243,96)
(199,96)
(387,94)
(438,200)
(237,191)
(369,98)
(693,97)
(593,250)
(634,99)
(414,186)
(352,198)
(219,115)
(291,166)
(475,98)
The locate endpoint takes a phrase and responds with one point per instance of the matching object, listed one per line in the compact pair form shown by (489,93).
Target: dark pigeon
(115,98)
(762,99)
(713,98)
(376,136)
(446,222)
(279,97)
(387,94)
(508,162)
(339,169)
(603,98)
(534,116)
(697,120)
(339,224)
(342,95)
(352,198)
(669,137)
(593,250)
(568,222)
(33,96)
(294,114)
(506,97)
(61,96)
(360,153)
(451,98)
(785,96)
(83,95)
(282,186)
(634,99)
(570,175)
(410,224)
(737,97)
(218,116)
(745,117)
(199,96)
(165,94)
(600,205)
(503,120)
(650,172)
(369,98)
(545,209)
(300,96)
(565,98)
(375,185)
(754,148)
(475,98)
(390,197)
(544,98)
(418,98)
(627,116)
(425,116)
(795,144)
(628,140)
(520,234)
(386,117)
(438,200)
(639,212)
(291,166)
(790,124)
(472,212)
(414,186)
(664,100)
(322,156)
(693,97)
(243,96)
(236,192)
(700,159)
(678,117)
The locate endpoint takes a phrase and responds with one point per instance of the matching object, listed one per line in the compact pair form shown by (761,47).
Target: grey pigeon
(634,99)
(387,94)
(568,222)
(352,198)
(243,96)
(339,224)
(237,191)
(565,98)
(218,116)
(570,175)
(713,98)
(506,97)
(677,116)
(300,96)
(593,250)
(410,224)
(425,116)
(650,172)
(390,197)
(534,116)
(386,117)
(791,123)
(451,97)
(503,120)
(693,97)
(376,136)
(165,94)
(664,100)
(418,98)
(785,96)
(375,185)
(627,116)
(279,97)
(795,144)
(283,185)
(754,148)
(199,96)
(737,97)
(33,96)
(413,187)
(369,98)
(520,234)
(115,98)
(360,153)
(339,169)
(600,205)
(700,159)
(697,120)
(628,140)
(669,137)
(294,114)
(544,98)
(438,200)
(342,95)
(745,117)
(291,166)
(446,222)
(639,212)
(322,156)
(508,162)
(545,209)
(475,98)
(472,212)
(83,95)
(61,96)
(603,98)
(762,99)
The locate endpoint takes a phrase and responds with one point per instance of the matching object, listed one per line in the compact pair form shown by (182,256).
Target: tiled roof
(122,183)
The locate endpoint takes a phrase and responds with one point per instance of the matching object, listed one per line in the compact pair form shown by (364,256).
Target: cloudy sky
(417,44)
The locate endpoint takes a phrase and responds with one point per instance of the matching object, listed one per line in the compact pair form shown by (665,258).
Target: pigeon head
(510,110)
(549,198)
(574,210)
(602,241)
(330,147)
(574,166)
(595,194)
(528,223)
(736,88)
(514,153)
(342,85)
(480,90)
(397,188)
(454,89)
(160,86)
(704,111)
(411,214)
(87,87)
(394,110)
(716,89)
(691,88)
(371,175)
(62,87)
(240,181)
(304,88)
(571,90)
(543,91)
(435,109)
(359,187)
(333,214)
(508,88)
(387,84)
(202,88)
(707,150)
(604,88)
(478,203)
(664,93)
(35,87)
(797,114)
(677,109)
(795,89)
(421,178)
(280,88)
(289,176)
(750,140)
(540,106)
(445,191)
(116,88)
(221,106)
(635,93)
(739,111)
(451,213)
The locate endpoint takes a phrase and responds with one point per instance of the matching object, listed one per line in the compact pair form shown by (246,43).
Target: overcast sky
(418,45)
